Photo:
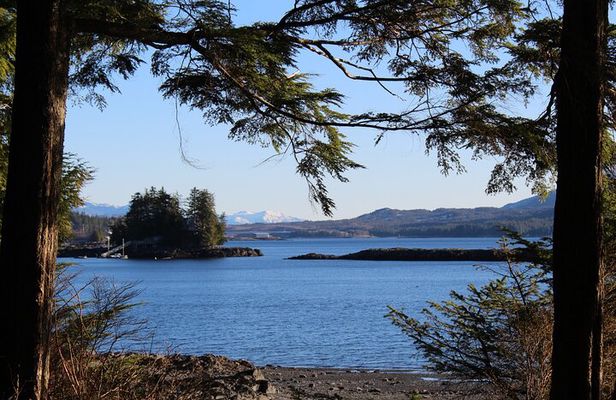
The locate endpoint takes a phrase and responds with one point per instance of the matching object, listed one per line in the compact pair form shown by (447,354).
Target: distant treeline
(532,227)
(89,228)
(465,230)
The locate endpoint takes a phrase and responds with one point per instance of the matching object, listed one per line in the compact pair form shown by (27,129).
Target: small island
(415,254)
(157,227)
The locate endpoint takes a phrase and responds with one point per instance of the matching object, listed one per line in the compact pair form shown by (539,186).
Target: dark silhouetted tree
(578,263)
(29,228)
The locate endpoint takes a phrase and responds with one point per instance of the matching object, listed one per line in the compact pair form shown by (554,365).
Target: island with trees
(157,226)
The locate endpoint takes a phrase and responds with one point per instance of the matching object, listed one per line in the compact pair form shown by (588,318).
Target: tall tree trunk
(29,231)
(577,218)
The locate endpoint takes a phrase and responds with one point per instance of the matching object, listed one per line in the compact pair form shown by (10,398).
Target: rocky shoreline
(219,378)
(339,384)
(162,253)
(406,254)
(172,253)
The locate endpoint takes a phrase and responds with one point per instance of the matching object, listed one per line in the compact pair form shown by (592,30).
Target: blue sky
(134,144)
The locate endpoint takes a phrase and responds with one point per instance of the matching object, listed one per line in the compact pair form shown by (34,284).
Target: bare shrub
(90,322)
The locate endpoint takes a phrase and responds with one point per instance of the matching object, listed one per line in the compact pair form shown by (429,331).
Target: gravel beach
(324,383)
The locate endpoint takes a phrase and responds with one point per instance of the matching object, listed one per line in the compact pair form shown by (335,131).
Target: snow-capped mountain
(261,217)
(105,210)
(238,218)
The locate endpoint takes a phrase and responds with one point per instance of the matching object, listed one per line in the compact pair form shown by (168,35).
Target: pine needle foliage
(466,69)
(458,64)
(76,173)
(7,47)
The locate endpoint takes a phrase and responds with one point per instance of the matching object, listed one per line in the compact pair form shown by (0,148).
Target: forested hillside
(90,228)
(529,217)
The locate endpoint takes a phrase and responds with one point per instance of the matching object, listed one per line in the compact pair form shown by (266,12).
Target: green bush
(497,335)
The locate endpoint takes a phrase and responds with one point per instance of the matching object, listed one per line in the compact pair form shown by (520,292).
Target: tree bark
(577,216)
(29,230)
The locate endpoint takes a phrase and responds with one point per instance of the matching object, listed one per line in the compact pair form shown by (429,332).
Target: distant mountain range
(238,218)
(261,217)
(530,217)
(103,210)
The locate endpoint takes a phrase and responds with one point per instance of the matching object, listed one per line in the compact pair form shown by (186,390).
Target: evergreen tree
(578,233)
(75,175)
(207,228)
(75,172)
(498,335)
(157,215)
(29,226)
(153,215)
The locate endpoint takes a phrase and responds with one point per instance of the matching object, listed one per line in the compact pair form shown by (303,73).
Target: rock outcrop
(81,251)
(174,253)
(405,254)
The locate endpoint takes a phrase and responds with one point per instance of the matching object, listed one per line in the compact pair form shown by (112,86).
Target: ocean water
(269,310)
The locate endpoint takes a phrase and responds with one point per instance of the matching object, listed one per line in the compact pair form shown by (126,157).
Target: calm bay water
(292,313)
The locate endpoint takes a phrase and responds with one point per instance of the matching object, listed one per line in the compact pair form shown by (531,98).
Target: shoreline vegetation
(416,254)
